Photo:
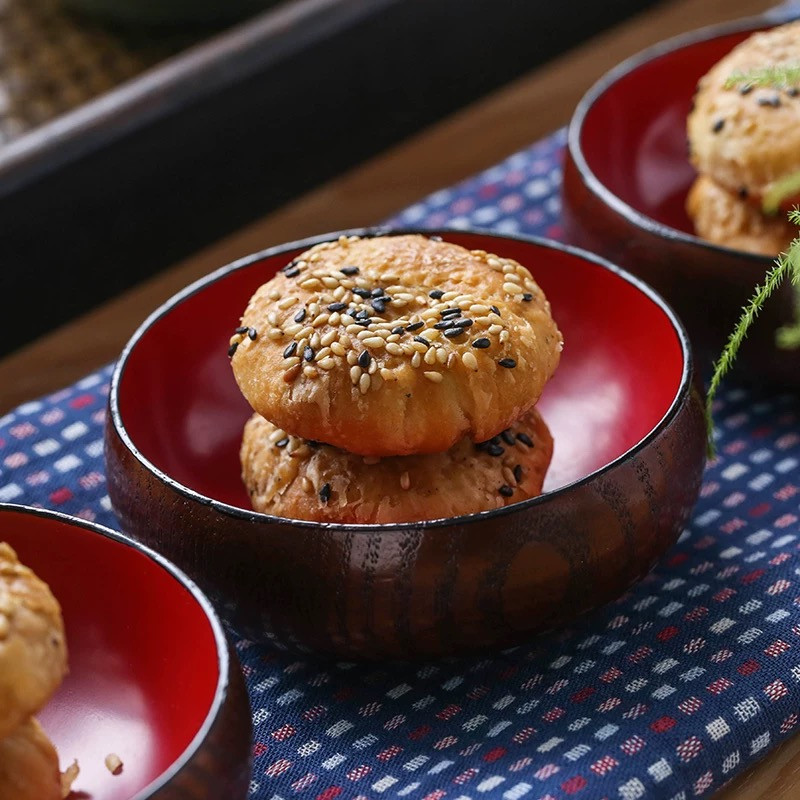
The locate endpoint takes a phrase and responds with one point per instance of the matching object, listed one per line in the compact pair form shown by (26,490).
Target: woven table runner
(668,693)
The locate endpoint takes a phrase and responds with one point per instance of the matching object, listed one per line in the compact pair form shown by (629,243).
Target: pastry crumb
(68,777)
(113,763)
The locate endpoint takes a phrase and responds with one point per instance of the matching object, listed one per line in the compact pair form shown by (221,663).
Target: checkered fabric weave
(667,693)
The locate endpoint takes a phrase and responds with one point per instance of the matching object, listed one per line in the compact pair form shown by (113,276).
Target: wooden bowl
(152,677)
(626,177)
(626,417)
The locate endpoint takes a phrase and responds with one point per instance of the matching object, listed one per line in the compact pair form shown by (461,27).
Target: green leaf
(782,76)
(779,191)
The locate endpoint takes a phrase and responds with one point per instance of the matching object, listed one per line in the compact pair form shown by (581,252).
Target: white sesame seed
(448,296)
(513,278)
(395,337)
(328,338)
(274,294)
(374,341)
(503,337)
(287,302)
(394,349)
(434,377)
(329,281)
(292,373)
(509,267)
(352,357)
(333,319)
(277,435)
(362,334)
(310,372)
(451,359)
(306,332)
(508,475)
(485,320)
(355,373)
(362,282)
(387,374)
(429,313)
(272,318)
(463,304)
(419,347)
(493,262)
(310,284)
(416,360)
(320,320)
(396,303)
(441,355)
(469,361)
(478,310)
(323,352)
(313,310)
(275,334)
(327,363)
(373,367)
(353,329)
(463,298)
(405,481)
(300,452)
(512,288)
(338,292)
(495,329)
(364,383)
(290,362)
(291,330)
(431,334)
(337,349)
(236,338)
(430,356)
(315,340)
(308,487)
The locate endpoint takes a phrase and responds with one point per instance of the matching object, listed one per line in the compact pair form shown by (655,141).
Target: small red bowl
(152,677)
(626,177)
(622,407)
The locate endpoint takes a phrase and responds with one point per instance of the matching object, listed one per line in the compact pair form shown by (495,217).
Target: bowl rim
(682,391)
(223,659)
(613,76)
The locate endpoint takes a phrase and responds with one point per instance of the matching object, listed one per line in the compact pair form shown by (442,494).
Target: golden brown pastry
(725,219)
(29,765)
(293,478)
(33,652)
(395,345)
(744,137)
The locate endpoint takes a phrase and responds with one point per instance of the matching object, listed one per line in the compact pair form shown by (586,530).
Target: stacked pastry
(394,379)
(33,662)
(744,141)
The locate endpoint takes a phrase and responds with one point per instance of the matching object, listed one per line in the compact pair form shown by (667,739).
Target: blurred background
(134,132)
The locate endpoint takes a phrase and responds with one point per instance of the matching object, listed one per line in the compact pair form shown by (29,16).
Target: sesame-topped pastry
(395,345)
(298,479)
(29,765)
(721,217)
(745,137)
(33,652)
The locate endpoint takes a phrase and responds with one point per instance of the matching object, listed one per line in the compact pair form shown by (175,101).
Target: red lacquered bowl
(626,178)
(152,677)
(623,410)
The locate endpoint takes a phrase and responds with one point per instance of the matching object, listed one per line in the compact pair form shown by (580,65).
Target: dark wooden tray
(103,196)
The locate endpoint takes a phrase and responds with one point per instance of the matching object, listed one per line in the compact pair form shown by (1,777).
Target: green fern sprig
(787,263)
(782,76)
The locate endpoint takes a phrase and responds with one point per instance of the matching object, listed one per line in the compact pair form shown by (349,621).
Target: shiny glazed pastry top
(395,345)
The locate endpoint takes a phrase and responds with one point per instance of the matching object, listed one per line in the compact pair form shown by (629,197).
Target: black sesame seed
(422,340)
(436,294)
(364,360)
(495,450)
(312,443)
(494,440)
(352,311)
(290,350)
(399,330)
(496,310)
(450,312)
(773,102)
(349,270)
(376,292)
(292,263)
(464,323)
(252,333)
(452,333)
(718,126)
(435,238)
(508,363)
(300,315)
(325,493)
(282,442)
(525,439)
(527,297)
(743,193)
(308,353)
(241,330)
(507,436)
(337,307)
(292,273)
(232,349)
(481,445)
(441,326)
(362,293)
(506,490)
(481,343)
(378,305)
(364,323)
(746,89)
(363,314)
(518,473)
(415,326)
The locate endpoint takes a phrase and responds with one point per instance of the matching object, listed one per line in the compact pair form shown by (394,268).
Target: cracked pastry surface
(394,345)
(29,765)
(289,477)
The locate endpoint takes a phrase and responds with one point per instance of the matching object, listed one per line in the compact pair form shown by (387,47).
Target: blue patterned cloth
(667,693)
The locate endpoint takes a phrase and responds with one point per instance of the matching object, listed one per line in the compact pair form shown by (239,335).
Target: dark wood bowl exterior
(706,284)
(424,589)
